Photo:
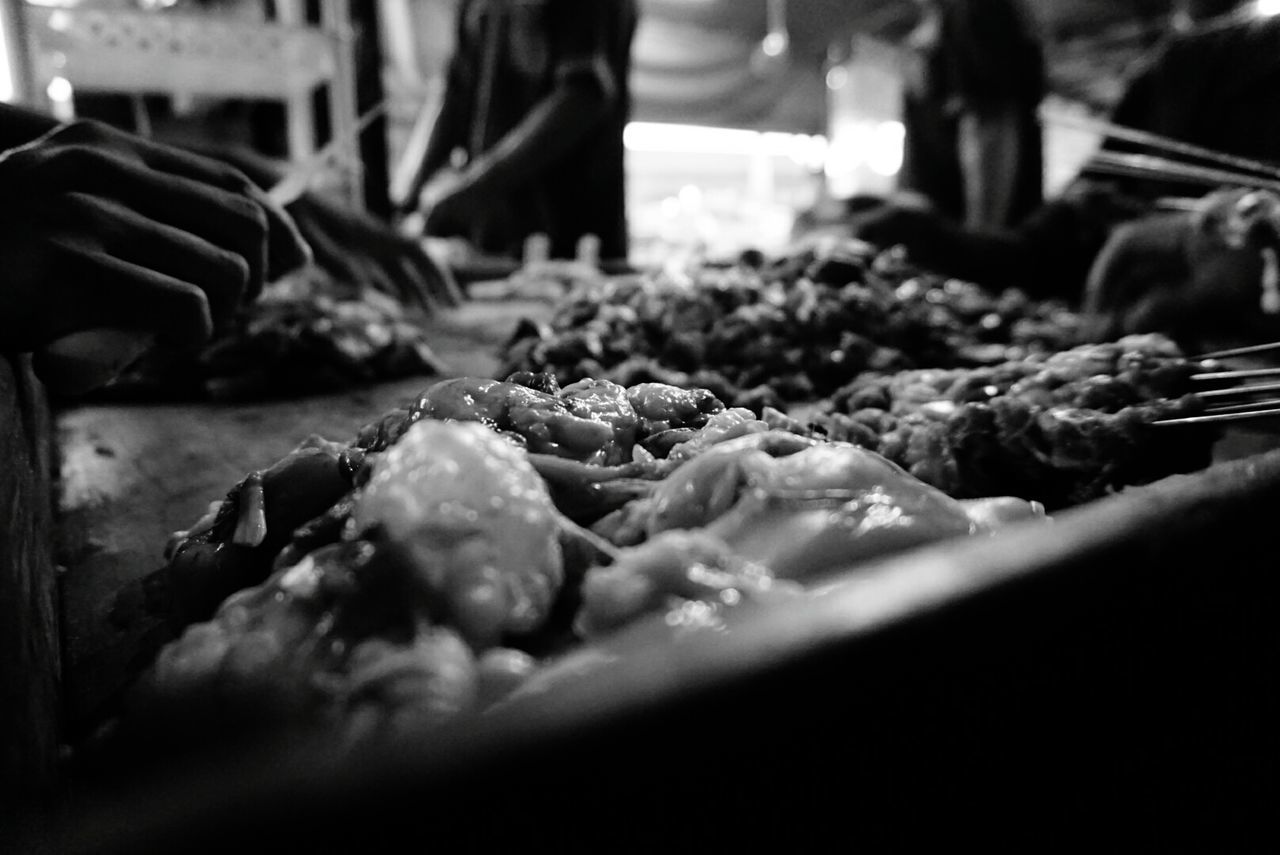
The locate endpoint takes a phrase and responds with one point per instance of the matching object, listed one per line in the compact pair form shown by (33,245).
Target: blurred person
(1215,82)
(973,79)
(529,135)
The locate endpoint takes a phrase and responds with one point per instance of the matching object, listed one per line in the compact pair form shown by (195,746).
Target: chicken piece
(545,423)
(337,640)
(391,689)
(831,506)
(746,517)
(722,426)
(609,404)
(476,522)
(695,577)
(661,407)
(709,484)
(991,514)
(235,547)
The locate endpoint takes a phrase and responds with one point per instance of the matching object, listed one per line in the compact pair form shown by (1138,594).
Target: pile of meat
(305,335)
(458,546)
(796,330)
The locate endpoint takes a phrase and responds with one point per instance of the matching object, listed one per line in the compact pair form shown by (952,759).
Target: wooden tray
(1114,670)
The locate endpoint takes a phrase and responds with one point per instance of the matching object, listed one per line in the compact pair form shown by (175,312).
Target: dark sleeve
(1047,256)
(1064,236)
(993,54)
(1140,105)
(1172,89)
(584,34)
(449,130)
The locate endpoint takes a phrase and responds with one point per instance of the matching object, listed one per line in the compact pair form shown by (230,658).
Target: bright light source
(1267,8)
(837,77)
(774,44)
(688,139)
(6,74)
(695,139)
(59,20)
(848,146)
(690,196)
(59,90)
(884,155)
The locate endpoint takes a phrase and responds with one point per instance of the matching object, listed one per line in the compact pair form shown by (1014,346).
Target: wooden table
(131,475)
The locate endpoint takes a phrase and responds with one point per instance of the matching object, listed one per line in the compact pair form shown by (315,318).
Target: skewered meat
(1061,429)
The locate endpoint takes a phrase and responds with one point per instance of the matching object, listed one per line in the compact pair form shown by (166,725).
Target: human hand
(1185,274)
(366,253)
(100,229)
(915,227)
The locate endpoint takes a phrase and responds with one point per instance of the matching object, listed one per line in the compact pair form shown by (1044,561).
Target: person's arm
(1047,256)
(449,130)
(584,90)
(447,134)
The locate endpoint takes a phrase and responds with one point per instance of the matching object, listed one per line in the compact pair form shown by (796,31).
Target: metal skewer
(1238,351)
(1220,418)
(1243,374)
(1153,166)
(1239,390)
(1160,142)
(1242,408)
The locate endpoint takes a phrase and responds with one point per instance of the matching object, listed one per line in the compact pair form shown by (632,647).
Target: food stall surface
(1112,674)
(133,475)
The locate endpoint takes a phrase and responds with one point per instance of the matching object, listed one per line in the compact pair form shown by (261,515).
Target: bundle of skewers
(1234,395)
(1199,166)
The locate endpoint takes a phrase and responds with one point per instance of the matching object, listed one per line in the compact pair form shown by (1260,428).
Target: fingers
(330,256)
(209,214)
(416,287)
(380,258)
(439,280)
(129,236)
(380,279)
(95,290)
(285,247)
